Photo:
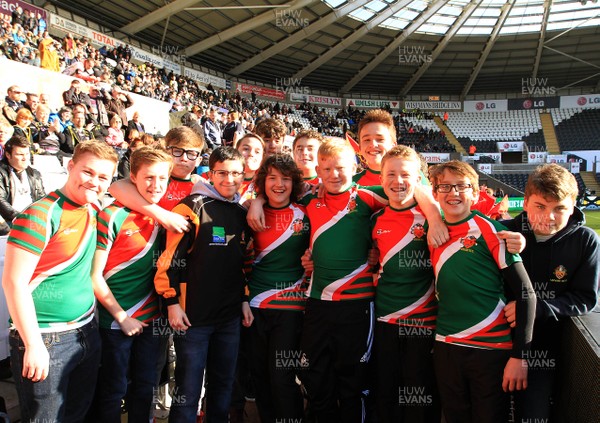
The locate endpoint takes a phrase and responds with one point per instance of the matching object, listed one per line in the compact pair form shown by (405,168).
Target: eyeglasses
(190,154)
(222,174)
(445,188)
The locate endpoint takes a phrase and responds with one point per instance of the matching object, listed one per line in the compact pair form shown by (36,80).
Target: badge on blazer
(560,272)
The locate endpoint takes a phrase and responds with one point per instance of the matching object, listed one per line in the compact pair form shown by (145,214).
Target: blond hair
(101,150)
(334,146)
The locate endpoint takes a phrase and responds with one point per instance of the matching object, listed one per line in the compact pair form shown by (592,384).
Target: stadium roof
(396,48)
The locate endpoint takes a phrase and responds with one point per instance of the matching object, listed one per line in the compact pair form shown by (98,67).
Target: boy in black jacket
(201,277)
(561,257)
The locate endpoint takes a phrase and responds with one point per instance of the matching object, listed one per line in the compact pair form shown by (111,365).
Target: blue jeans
(67,393)
(218,345)
(120,352)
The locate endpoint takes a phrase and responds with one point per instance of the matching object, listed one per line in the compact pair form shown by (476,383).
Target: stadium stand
(580,132)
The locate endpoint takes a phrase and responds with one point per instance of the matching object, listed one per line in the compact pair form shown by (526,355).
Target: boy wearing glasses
(185,146)
(476,359)
(200,276)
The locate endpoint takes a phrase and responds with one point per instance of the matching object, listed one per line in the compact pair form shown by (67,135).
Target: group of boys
(465,315)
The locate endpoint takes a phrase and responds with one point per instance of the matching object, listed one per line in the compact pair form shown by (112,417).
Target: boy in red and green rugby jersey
(405,303)
(476,361)
(377,134)
(185,146)
(305,148)
(123,277)
(55,345)
(338,326)
(278,293)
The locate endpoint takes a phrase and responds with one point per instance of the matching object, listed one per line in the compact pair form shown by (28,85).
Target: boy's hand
(256,215)
(437,235)
(247,316)
(131,326)
(307,262)
(173,222)
(515,242)
(36,362)
(515,375)
(373,257)
(318,190)
(177,318)
(510,312)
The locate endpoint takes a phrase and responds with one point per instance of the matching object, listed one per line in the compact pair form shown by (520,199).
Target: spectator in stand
(17,16)
(70,48)
(74,95)
(75,133)
(20,184)
(115,135)
(23,127)
(45,100)
(472,150)
(42,25)
(124,167)
(118,102)
(135,123)
(6,131)
(47,135)
(48,53)
(32,102)
(445,117)
(233,130)
(97,108)
(12,103)
(212,129)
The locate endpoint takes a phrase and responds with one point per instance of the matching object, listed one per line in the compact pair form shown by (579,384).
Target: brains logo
(480,105)
(417,230)
(468,241)
(527,104)
(582,101)
(297,226)
(560,272)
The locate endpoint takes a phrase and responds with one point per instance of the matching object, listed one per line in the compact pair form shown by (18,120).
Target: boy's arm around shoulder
(126,193)
(515,371)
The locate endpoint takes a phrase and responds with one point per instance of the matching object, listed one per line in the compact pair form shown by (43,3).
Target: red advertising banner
(261,91)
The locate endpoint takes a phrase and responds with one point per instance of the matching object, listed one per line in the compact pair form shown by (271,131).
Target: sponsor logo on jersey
(468,242)
(383,231)
(319,205)
(560,272)
(69,231)
(418,230)
(218,235)
(130,232)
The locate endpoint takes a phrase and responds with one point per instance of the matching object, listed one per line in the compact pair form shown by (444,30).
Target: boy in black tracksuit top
(561,258)
(201,277)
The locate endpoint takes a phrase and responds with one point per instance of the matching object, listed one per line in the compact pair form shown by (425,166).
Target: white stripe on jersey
(298,214)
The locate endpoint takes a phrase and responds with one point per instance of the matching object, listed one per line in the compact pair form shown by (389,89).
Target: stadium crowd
(230,153)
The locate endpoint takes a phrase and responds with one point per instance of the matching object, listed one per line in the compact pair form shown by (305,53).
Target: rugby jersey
(63,235)
(277,278)
(131,240)
(367,178)
(470,286)
(340,240)
(177,190)
(405,291)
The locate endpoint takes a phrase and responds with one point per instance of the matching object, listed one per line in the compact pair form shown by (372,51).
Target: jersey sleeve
(373,196)
(33,228)
(168,276)
(107,229)
(497,246)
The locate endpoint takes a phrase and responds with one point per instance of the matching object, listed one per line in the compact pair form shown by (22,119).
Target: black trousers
(276,358)
(337,339)
(406,387)
(470,383)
